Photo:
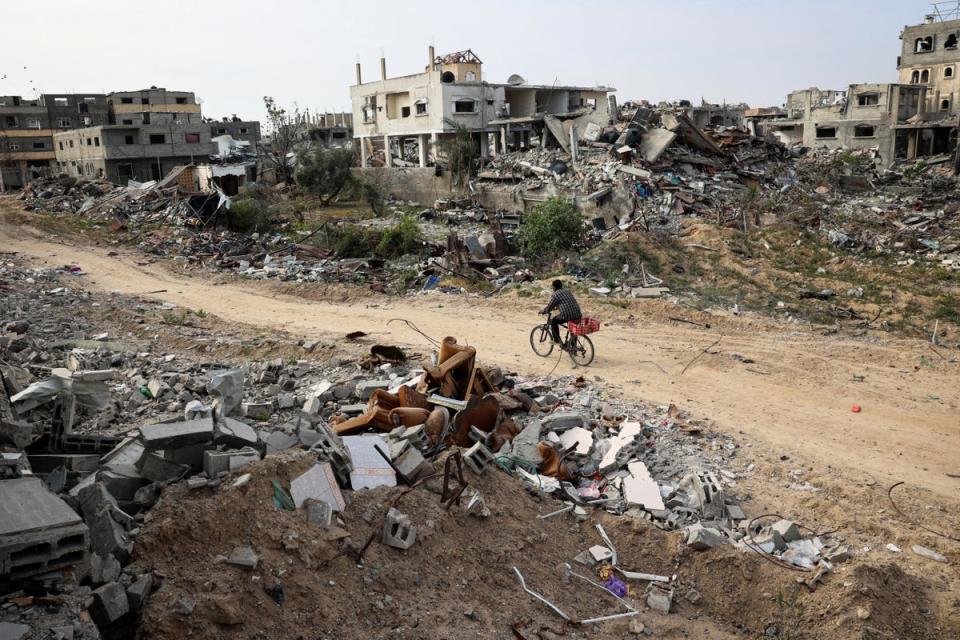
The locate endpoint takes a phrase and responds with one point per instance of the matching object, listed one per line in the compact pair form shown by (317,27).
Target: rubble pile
(654,167)
(95,432)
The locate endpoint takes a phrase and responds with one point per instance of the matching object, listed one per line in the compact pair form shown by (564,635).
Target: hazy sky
(232,53)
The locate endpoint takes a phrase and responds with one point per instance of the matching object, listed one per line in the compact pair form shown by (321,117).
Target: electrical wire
(416,329)
(912,521)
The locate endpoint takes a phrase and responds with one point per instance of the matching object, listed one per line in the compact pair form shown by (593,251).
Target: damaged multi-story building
(401,120)
(914,118)
(27,128)
(149,132)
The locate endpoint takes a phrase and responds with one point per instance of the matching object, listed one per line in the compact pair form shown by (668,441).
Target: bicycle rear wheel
(540,340)
(580,350)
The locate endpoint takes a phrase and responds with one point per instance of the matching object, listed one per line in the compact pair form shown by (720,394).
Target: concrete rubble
(159,424)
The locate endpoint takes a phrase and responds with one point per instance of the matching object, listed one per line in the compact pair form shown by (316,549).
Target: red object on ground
(855,408)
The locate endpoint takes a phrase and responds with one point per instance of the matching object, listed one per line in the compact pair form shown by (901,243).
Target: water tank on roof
(516,79)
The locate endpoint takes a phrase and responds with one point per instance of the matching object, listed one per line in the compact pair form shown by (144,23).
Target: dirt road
(796,396)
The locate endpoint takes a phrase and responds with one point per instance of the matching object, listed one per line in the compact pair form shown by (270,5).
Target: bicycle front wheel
(540,341)
(581,350)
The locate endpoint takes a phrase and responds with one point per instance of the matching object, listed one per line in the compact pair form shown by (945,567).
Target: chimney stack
(431,57)
(358,74)
(383,68)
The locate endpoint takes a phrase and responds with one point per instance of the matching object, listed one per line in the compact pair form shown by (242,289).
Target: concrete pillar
(422,149)
(503,137)
(484,147)
(387,155)
(433,144)
(912,143)
(363,152)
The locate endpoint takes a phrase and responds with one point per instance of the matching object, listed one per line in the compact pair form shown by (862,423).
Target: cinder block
(318,512)
(478,458)
(411,464)
(139,591)
(173,435)
(397,530)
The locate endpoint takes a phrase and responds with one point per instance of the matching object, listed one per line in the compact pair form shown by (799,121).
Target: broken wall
(410,183)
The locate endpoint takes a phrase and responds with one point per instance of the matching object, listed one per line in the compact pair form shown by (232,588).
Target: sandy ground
(795,398)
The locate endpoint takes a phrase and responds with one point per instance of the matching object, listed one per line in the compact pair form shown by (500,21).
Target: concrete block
(109,604)
(156,469)
(769,540)
(318,483)
(411,463)
(39,532)
(659,598)
(397,530)
(234,433)
(107,536)
(319,512)
(139,591)
(525,444)
(243,557)
(157,388)
(104,569)
(787,529)
(174,435)
(191,456)
(95,498)
(417,436)
(312,405)
(257,410)
(623,441)
(196,482)
(286,401)
(478,458)
(365,388)
(215,462)
(599,553)
(701,538)
(14,630)
(227,388)
(562,420)
(735,512)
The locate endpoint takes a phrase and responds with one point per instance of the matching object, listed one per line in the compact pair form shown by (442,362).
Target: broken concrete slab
(317,483)
(370,470)
(14,630)
(929,554)
(526,443)
(104,569)
(629,431)
(562,420)
(640,489)
(655,142)
(257,410)
(787,529)
(227,388)
(109,604)
(280,441)
(174,435)
(365,388)
(139,591)
(234,433)
(155,468)
(582,438)
(243,557)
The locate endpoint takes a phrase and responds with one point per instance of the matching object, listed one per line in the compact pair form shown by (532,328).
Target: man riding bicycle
(567,309)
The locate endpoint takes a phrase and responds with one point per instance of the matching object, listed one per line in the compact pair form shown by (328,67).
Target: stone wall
(410,183)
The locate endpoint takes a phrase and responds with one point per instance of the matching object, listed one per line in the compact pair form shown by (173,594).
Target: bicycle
(575,341)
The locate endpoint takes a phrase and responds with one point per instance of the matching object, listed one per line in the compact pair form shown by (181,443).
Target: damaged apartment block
(400,121)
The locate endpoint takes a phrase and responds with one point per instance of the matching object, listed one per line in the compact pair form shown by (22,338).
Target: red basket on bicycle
(584,327)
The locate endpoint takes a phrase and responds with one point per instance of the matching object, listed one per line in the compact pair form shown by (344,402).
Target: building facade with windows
(149,132)
(930,55)
(391,114)
(27,128)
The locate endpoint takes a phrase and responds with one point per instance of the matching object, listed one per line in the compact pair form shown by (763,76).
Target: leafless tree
(284,133)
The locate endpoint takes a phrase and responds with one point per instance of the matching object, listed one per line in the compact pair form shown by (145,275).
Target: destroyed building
(865,116)
(914,118)
(238,129)
(425,107)
(149,133)
(27,128)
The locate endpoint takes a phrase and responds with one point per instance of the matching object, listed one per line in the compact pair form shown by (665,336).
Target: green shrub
(550,229)
(249,214)
(354,241)
(325,172)
(401,239)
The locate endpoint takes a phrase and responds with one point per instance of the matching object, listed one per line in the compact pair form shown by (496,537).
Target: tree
(460,152)
(283,129)
(325,172)
(550,229)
